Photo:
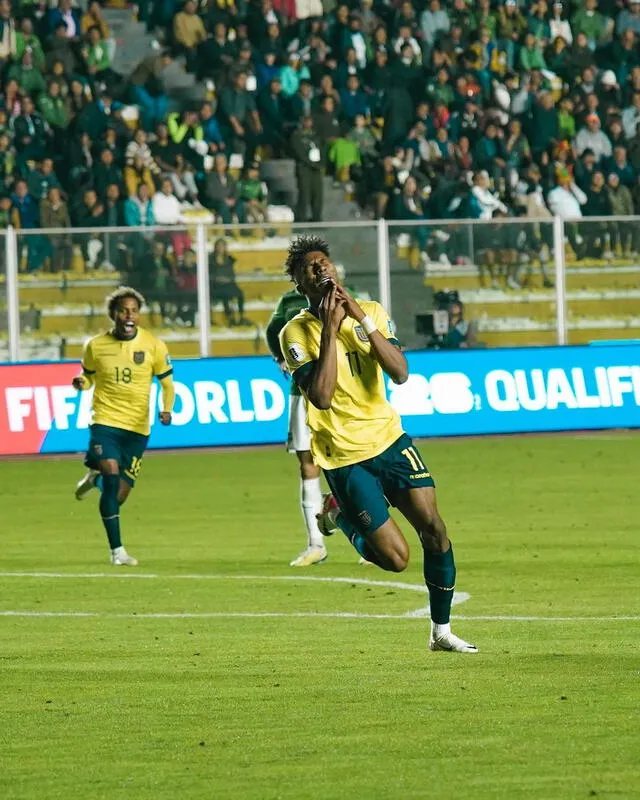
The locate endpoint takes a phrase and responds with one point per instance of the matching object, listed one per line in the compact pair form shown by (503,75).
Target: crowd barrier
(244,401)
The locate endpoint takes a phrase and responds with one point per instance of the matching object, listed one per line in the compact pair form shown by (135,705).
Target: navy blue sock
(110,509)
(440,577)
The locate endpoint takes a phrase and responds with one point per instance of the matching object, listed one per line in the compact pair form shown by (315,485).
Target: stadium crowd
(424,110)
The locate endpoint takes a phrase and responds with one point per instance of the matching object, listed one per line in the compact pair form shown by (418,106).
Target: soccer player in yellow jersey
(121,365)
(337,351)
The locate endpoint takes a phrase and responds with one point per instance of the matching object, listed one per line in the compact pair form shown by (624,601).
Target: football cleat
(120,558)
(362,561)
(451,643)
(326,519)
(86,484)
(314,554)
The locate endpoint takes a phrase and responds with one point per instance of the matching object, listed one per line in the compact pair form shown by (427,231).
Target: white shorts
(299,437)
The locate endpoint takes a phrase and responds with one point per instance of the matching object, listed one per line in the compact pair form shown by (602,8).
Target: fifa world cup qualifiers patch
(138,357)
(360,333)
(296,353)
(391,328)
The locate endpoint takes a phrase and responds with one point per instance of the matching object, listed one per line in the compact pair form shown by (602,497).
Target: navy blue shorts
(125,447)
(362,489)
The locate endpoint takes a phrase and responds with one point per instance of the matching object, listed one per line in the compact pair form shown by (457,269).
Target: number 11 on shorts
(411,454)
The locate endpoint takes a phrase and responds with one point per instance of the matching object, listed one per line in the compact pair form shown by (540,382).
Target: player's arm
(86,378)
(163,371)
(386,350)
(317,379)
(272,333)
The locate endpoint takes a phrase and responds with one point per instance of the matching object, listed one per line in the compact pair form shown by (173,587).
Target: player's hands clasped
(165,417)
(351,306)
(331,309)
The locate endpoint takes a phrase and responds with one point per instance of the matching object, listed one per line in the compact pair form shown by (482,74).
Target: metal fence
(210,289)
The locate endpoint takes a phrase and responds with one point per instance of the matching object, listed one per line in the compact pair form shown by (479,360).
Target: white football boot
(314,554)
(451,643)
(84,486)
(120,558)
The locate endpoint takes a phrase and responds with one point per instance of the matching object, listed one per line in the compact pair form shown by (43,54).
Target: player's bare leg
(311,504)
(420,509)
(110,511)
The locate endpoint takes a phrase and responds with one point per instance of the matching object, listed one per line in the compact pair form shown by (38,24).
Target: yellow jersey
(123,371)
(361,423)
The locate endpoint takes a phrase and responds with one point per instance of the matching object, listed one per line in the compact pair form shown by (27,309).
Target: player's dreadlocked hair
(299,248)
(120,294)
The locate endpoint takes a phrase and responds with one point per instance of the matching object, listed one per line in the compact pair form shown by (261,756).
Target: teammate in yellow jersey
(337,351)
(121,365)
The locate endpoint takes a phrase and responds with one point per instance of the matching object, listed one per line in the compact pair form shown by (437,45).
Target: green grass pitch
(200,681)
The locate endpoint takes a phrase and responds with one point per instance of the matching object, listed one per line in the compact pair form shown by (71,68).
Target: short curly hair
(121,293)
(299,248)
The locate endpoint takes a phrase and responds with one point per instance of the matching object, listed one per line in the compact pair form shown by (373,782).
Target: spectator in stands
(189,32)
(41,179)
(566,201)
(310,160)
(139,164)
(105,172)
(353,101)
(170,161)
(221,192)
(167,210)
(597,234)
(147,88)
(621,204)
(31,134)
(326,124)
(54,214)
(156,277)
(93,17)
(223,285)
(211,132)
(61,48)
(66,14)
(433,23)
(460,334)
(8,216)
(28,217)
(186,296)
(7,163)
(138,209)
(590,22)
(55,112)
(98,61)
(272,109)
(620,165)
(593,138)
(242,127)
(631,116)
(27,40)
(302,102)
(252,194)
(215,55)
(27,75)
(97,116)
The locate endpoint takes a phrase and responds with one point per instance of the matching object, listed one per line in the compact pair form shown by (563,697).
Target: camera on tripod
(434,324)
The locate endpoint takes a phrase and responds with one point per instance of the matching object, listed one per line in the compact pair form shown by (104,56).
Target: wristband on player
(368,325)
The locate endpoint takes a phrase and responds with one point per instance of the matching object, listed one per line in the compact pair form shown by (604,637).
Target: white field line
(319,614)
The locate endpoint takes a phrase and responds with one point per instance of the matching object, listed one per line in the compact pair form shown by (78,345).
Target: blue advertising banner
(242,401)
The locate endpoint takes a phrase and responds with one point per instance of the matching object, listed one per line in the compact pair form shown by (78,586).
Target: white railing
(382,238)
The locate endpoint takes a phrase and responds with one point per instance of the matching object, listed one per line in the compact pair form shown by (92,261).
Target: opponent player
(298,440)
(121,364)
(337,351)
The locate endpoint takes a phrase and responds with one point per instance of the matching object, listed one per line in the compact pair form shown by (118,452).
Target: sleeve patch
(296,353)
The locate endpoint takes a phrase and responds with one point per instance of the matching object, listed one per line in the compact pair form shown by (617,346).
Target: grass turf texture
(317,707)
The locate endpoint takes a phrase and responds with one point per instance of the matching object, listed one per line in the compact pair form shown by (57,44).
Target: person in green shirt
(252,193)
(53,108)
(531,55)
(29,78)
(591,22)
(26,39)
(299,437)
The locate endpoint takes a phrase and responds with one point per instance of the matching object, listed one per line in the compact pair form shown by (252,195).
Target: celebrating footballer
(337,351)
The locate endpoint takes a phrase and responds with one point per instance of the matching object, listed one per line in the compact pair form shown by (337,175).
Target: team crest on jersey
(361,334)
(97,449)
(138,357)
